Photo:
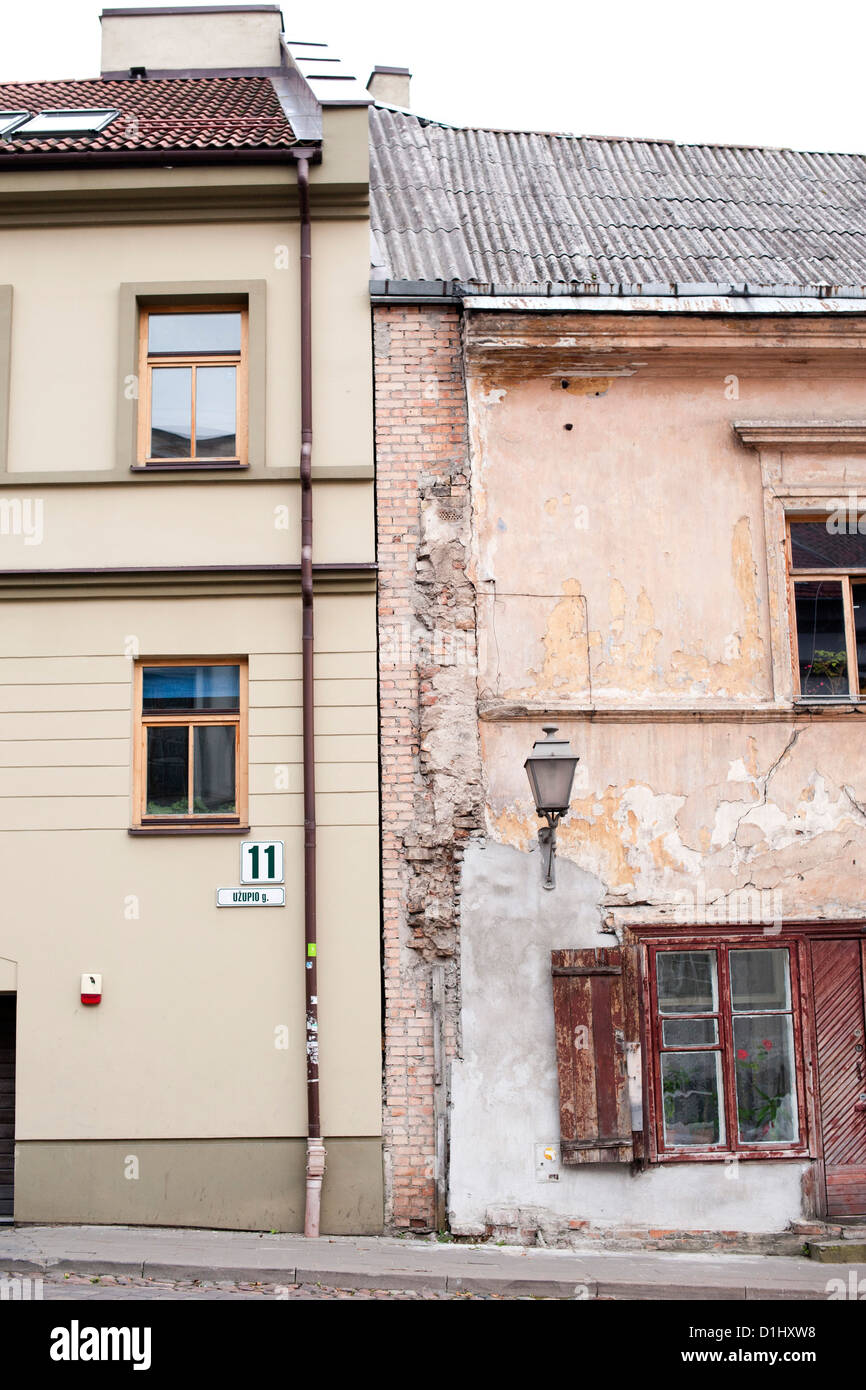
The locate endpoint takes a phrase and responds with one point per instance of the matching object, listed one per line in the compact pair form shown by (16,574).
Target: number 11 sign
(261,861)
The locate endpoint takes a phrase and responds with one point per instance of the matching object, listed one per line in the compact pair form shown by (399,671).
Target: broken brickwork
(430,760)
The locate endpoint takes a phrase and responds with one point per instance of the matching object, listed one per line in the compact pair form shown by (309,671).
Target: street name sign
(251,897)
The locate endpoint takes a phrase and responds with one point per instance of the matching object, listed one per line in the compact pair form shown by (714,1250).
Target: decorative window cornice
(851,434)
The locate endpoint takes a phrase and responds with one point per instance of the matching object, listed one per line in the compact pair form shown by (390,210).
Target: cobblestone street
(109,1287)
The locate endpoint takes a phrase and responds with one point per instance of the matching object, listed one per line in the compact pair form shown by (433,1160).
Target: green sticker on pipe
(311,948)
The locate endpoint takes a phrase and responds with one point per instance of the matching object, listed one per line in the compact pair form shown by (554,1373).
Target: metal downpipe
(315,1147)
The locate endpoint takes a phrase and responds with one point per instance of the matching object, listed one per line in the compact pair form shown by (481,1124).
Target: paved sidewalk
(386,1263)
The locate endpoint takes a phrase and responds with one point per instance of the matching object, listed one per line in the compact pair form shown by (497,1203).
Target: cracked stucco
(788,812)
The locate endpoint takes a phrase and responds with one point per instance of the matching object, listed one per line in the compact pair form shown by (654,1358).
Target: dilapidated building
(621,453)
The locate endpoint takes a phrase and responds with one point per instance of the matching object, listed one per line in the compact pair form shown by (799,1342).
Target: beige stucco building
(152,383)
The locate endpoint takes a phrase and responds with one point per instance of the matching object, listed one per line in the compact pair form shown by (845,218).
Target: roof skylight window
(67,121)
(9,120)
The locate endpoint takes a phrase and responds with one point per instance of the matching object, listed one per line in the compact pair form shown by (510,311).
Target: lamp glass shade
(550,769)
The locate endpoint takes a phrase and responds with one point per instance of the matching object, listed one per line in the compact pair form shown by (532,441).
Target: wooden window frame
(722,945)
(192,718)
(843,577)
(147,362)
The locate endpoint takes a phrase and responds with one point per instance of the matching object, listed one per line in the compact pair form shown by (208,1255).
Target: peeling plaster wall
(504,1090)
(663,810)
(620,562)
(619,547)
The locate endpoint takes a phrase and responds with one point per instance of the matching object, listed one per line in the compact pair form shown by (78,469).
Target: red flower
(767,1044)
(743,1055)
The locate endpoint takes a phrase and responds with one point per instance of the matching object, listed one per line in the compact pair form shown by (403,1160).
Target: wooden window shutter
(589,1016)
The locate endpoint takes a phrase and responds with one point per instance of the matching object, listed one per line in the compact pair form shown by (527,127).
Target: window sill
(725,1156)
(188,830)
(190,466)
(829,702)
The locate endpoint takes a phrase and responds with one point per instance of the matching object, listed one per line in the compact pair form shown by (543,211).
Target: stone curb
(838,1251)
(579,1290)
(635,1288)
(420,1281)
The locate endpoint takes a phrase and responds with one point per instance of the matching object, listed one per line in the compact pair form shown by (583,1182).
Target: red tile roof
(184,114)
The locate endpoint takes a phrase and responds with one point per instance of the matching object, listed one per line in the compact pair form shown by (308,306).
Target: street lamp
(550,769)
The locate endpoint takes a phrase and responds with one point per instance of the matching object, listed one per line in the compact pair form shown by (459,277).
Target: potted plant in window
(827,673)
(764,1114)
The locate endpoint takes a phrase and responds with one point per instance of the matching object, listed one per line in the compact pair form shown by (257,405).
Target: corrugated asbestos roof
(515,209)
(190,114)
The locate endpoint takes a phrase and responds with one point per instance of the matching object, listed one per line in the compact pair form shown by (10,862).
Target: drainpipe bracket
(316,1155)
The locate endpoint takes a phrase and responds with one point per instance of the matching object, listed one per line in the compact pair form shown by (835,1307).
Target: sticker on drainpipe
(311,949)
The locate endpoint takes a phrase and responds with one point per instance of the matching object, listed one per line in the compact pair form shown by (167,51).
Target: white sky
(755,72)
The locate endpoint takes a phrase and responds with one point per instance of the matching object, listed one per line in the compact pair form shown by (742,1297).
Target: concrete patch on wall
(505,1099)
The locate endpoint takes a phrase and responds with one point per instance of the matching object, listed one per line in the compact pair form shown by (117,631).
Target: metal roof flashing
(300,106)
(328,80)
(684,298)
(713,303)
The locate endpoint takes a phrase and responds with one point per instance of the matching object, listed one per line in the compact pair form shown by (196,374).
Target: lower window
(727,1070)
(190,765)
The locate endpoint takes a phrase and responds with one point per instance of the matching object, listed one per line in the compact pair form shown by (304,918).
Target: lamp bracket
(547,841)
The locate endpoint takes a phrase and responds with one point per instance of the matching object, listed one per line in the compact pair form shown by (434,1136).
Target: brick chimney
(192,41)
(390,86)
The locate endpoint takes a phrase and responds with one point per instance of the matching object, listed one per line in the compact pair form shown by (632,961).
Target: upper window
(66,120)
(191,745)
(192,375)
(726,1050)
(10,120)
(827,566)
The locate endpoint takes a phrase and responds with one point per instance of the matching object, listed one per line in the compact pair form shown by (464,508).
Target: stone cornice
(506,712)
(851,434)
(599,344)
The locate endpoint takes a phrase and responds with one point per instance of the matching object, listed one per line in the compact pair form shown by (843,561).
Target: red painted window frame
(723,942)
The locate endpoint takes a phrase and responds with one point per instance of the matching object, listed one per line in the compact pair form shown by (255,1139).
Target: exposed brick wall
(431,793)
